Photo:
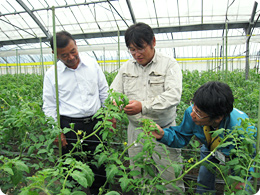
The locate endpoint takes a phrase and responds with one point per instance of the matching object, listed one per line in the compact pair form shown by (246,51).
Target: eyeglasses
(196,112)
(134,51)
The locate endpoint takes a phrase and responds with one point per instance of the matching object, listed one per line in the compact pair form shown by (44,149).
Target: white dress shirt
(82,91)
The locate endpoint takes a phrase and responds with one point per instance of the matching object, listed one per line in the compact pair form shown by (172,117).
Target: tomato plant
(30,164)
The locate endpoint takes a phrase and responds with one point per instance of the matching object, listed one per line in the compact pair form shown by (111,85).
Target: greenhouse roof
(194,27)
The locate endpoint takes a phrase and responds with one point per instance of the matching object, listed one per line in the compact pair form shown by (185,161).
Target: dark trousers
(89,145)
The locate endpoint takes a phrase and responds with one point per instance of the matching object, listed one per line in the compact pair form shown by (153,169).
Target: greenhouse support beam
(170,29)
(57,7)
(131,11)
(33,17)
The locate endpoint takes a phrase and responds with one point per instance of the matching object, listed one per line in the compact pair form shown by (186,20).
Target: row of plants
(30,164)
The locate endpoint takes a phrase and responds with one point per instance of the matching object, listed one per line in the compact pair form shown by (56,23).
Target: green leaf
(66,130)
(226,144)
(8,170)
(140,136)
(41,138)
(36,166)
(24,192)
(33,138)
(8,121)
(68,161)
(161,187)
(78,193)
(150,170)
(87,171)
(21,166)
(134,173)
(104,135)
(124,181)
(17,177)
(79,177)
(111,171)
(112,193)
(237,178)
(177,169)
(158,154)
(27,192)
(38,145)
(255,175)
(147,144)
(30,150)
(234,161)
(42,151)
(139,155)
(65,192)
(102,158)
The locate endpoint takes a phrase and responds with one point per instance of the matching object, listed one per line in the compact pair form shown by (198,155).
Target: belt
(88,119)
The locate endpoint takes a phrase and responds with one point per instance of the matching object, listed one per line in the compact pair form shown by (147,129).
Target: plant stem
(66,178)
(5,102)
(221,174)
(193,166)
(21,149)
(126,149)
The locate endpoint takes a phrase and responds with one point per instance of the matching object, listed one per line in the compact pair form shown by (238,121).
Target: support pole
(226,52)
(247,59)
(17,61)
(248,34)
(56,77)
(42,57)
(104,57)
(257,141)
(118,37)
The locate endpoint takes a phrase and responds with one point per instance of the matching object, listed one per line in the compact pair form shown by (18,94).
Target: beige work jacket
(157,86)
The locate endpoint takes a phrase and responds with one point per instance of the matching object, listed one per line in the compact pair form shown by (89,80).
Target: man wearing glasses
(211,109)
(153,84)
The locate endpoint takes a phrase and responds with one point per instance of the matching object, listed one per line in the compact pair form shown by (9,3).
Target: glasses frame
(140,51)
(198,115)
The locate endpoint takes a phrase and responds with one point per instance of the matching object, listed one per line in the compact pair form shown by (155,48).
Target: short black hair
(138,34)
(214,98)
(62,39)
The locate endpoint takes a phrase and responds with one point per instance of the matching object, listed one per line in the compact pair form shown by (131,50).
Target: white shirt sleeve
(49,98)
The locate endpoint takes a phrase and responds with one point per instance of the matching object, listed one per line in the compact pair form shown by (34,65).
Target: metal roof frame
(170,29)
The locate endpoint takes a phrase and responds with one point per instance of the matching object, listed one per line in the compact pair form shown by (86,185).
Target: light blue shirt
(179,136)
(82,91)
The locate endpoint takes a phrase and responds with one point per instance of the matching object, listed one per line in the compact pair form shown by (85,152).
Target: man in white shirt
(153,84)
(82,89)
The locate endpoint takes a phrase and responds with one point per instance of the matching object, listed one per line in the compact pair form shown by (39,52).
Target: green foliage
(12,172)
(31,165)
(110,77)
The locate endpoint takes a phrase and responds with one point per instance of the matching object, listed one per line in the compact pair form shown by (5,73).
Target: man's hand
(160,134)
(240,185)
(134,107)
(63,141)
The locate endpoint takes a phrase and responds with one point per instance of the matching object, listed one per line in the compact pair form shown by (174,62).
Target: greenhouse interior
(210,41)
